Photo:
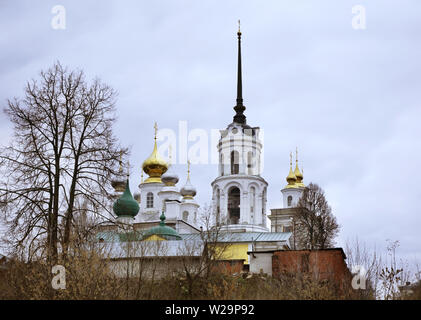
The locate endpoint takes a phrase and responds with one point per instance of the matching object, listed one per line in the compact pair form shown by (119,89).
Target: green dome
(126,205)
(162,231)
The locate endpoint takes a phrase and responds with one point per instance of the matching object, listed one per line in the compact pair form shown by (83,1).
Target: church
(164,211)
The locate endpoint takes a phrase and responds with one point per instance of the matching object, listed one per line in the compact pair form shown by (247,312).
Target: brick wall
(327,264)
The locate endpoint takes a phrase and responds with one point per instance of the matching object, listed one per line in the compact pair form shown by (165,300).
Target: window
(235,162)
(222,164)
(252,199)
(250,162)
(185,215)
(149,200)
(289,201)
(234,205)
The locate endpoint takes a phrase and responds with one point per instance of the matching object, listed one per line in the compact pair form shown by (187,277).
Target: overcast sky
(349,99)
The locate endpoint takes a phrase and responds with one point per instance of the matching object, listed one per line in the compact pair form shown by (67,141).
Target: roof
(163,231)
(244,236)
(112,236)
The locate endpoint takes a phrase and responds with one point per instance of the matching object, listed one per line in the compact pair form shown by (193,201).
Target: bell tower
(239,191)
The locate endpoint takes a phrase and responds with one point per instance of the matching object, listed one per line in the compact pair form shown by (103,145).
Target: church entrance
(234,205)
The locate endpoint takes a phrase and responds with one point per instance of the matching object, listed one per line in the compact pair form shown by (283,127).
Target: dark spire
(239,108)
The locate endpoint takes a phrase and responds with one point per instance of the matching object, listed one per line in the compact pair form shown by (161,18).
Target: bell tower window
(235,162)
(234,205)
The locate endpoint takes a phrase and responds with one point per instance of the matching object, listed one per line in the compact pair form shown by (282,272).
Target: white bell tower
(239,192)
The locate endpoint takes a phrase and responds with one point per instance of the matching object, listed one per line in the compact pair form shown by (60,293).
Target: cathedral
(162,210)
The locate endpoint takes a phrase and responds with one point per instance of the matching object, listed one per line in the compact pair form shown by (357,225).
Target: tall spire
(239,108)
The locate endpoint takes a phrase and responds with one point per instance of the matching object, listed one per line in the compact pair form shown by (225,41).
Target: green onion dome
(162,231)
(126,205)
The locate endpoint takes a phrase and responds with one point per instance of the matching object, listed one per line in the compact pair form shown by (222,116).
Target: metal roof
(112,236)
(243,236)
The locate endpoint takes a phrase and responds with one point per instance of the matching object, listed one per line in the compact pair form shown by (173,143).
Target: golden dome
(291,178)
(299,177)
(297,172)
(154,166)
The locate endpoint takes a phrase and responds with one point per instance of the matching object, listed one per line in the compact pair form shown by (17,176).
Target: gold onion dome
(291,178)
(298,173)
(154,166)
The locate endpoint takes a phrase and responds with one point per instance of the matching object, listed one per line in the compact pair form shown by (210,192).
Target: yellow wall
(154,237)
(234,251)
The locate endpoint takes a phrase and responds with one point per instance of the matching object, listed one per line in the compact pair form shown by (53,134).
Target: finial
(128,169)
(239,108)
(296,154)
(121,162)
(188,169)
(162,218)
(170,154)
(290,159)
(156,130)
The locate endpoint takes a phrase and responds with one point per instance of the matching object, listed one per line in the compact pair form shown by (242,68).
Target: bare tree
(315,227)
(201,258)
(61,159)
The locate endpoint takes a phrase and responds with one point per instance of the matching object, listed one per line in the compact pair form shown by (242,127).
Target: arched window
(222,164)
(252,199)
(185,215)
(235,162)
(289,201)
(234,205)
(149,200)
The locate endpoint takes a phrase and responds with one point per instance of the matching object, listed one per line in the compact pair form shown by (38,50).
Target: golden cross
(290,158)
(239,25)
(156,129)
(188,168)
(296,154)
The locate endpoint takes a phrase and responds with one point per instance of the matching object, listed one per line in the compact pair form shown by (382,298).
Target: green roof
(162,231)
(126,205)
